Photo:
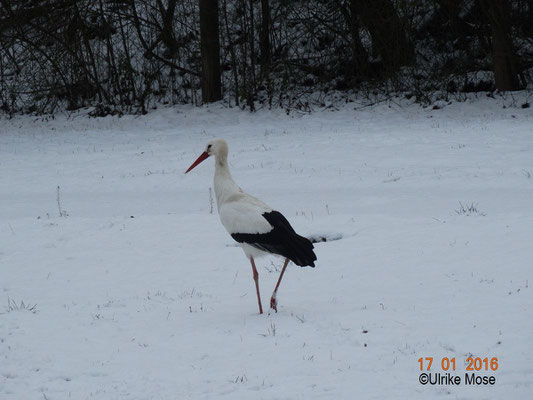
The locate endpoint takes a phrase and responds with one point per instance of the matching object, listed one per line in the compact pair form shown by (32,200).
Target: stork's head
(215,147)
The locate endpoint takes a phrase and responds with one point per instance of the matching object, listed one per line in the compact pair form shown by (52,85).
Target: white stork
(254,225)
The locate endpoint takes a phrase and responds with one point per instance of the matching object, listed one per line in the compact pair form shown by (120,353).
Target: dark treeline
(129,55)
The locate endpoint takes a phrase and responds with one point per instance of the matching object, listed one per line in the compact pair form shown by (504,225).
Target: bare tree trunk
(497,14)
(231,47)
(359,54)
(389,39)
(530,17)
(112,71)
(149,48)
(264,37)
(252,39)
(131,95)
(250,89)
(167,30)
(210,50)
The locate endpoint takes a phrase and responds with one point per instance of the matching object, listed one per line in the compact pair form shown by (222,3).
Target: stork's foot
(274,303)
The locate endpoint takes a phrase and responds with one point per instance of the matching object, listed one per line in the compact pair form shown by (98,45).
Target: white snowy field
(137,292)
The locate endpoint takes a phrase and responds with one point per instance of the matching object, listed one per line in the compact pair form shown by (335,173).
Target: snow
(140,293)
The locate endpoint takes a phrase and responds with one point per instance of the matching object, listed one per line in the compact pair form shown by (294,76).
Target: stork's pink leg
(256,279)
(273,301)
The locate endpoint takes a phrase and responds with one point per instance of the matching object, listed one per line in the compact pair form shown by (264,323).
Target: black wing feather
(282,240)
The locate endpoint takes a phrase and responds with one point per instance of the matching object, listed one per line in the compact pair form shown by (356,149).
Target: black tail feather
(300,251)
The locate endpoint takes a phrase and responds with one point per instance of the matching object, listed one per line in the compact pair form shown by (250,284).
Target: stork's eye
(208,146)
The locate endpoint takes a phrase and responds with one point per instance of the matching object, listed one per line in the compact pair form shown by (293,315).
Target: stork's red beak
(202,157)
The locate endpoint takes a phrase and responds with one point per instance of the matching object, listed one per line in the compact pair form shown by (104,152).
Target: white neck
(225,186)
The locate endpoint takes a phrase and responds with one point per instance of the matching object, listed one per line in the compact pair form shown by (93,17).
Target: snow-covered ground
(136,291)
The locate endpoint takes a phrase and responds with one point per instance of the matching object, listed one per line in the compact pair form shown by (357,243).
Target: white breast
(242,213)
